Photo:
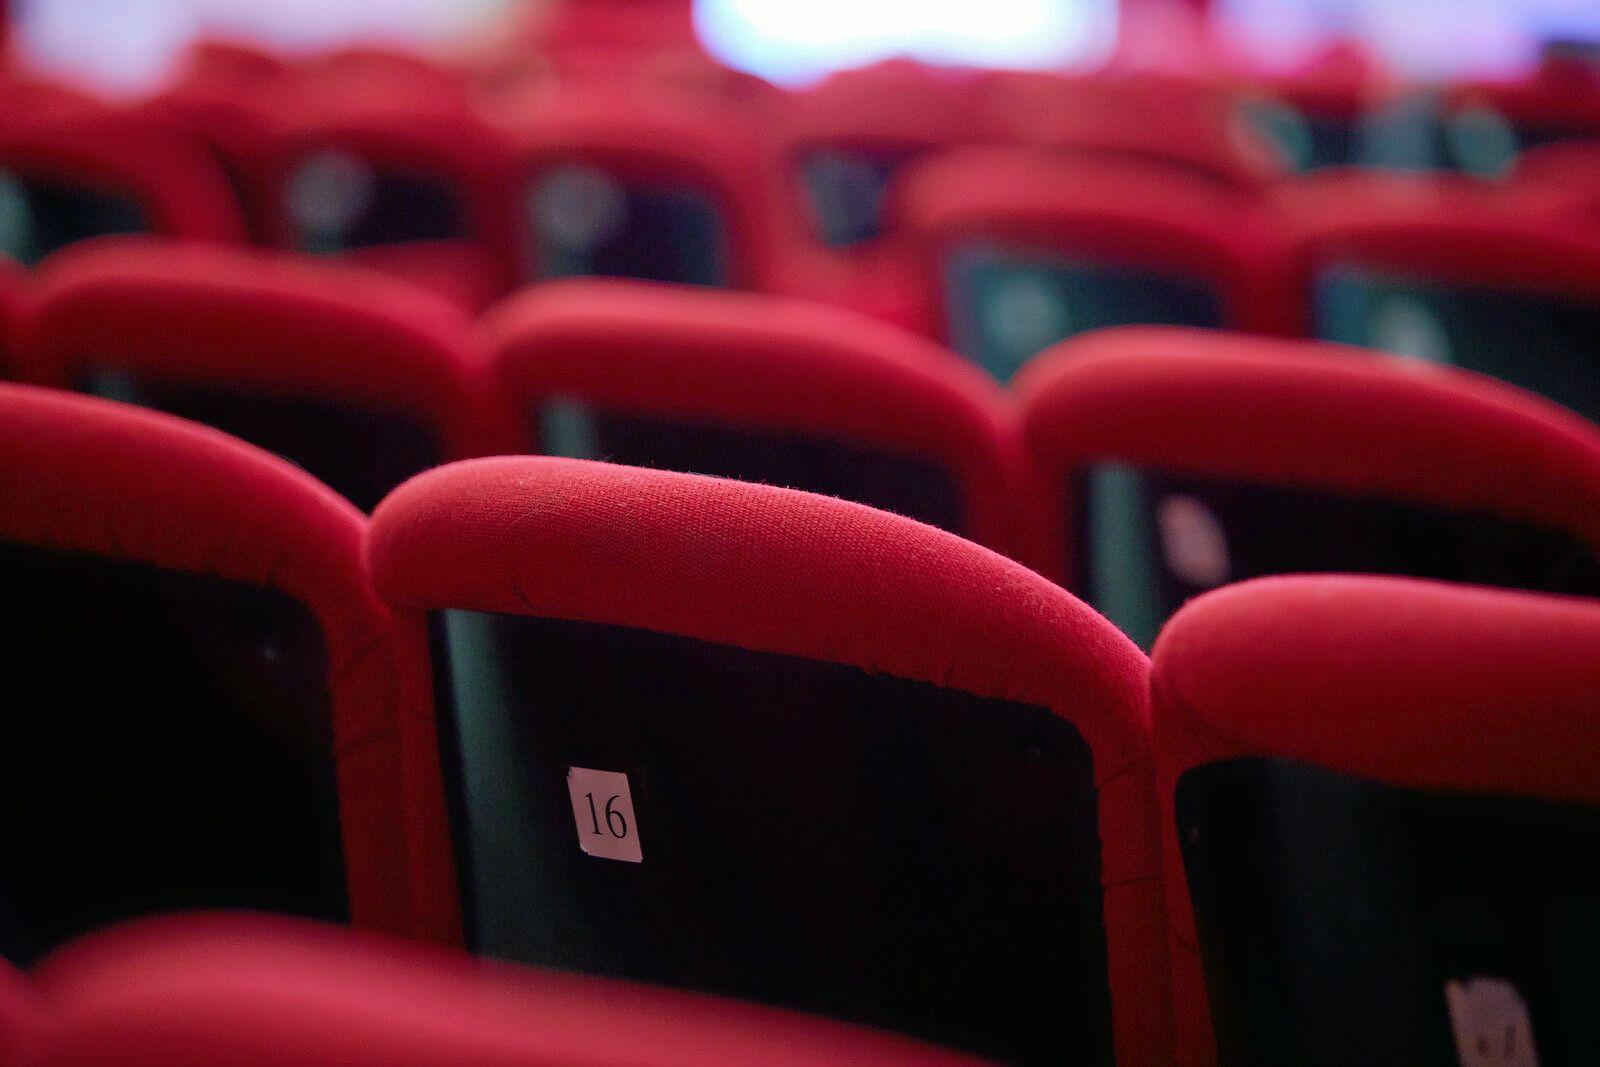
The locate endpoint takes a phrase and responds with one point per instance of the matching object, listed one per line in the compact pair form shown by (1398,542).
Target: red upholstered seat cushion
(200,990)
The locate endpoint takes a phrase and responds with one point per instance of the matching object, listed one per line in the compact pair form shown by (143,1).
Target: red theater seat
(395,175)
(655,183)
(635,25)
(206,702)
(640,71)
(780,746)
(198,991)
(360,379)
(371,65)
(640,46)
(1171,461)
(231,61)
(760,388)
(1176,121)
(1448,270)
(846,138)
(1571,163)
(1380,818)
(1486,125)
(82,170)
(1024,249)
(1568,172)
(662,186)
(1317,116)
(36,97)
(842,147)
(222,95)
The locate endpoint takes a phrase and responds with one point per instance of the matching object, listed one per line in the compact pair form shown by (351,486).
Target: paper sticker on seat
(602,809)
(1491,1024)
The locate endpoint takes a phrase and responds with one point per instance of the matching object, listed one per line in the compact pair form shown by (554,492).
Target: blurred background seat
(81,169)
(1335,753)
(1022,249)
(207,712)
(761,388)
(1449,271)
(1173,461)
(360,379)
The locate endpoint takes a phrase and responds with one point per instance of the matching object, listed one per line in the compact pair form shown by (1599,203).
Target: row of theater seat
(996,250)
(745,740)
(1136,466)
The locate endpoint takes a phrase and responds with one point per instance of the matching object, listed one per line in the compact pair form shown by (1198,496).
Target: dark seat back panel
(1546,344)
(359,452)
(1005,306)
(165,744)
(339,202)
(846,189)
(40,216)
(1150,540)
(811,835)
(902,484)
(585,221)
(1332,911)
(1304,140)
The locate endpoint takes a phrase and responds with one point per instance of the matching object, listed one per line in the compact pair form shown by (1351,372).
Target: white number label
(602,809)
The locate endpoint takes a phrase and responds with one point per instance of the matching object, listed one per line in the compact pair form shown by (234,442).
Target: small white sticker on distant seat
(602,809)
(1193,543)
(1491,1024)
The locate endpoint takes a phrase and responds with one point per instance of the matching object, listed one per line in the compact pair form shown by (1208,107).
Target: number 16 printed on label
(602,810)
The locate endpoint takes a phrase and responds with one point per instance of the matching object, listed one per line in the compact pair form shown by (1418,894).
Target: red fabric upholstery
(509,67)
(230,61)
(1178,121)
(20,93)
(400,125)
(1567,173)
(373,65)
(133,152)
(639,25)
(19,1012)
(895,105)
(1342,82)
(222,96)
(1301,413)
(1563,94)
(658,138)
(198,991)
(1413,683)
(881,279)
(1572,163)
(145,487)
(199,313)
(667,136)
(13,297)
(469,274)
(1122,212)
(899,107)
(775,570)
(763,363)
(1456,231)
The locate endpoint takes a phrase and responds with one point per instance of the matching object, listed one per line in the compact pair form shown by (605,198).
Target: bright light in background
(1420,38)
(128,46)
(796,41)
